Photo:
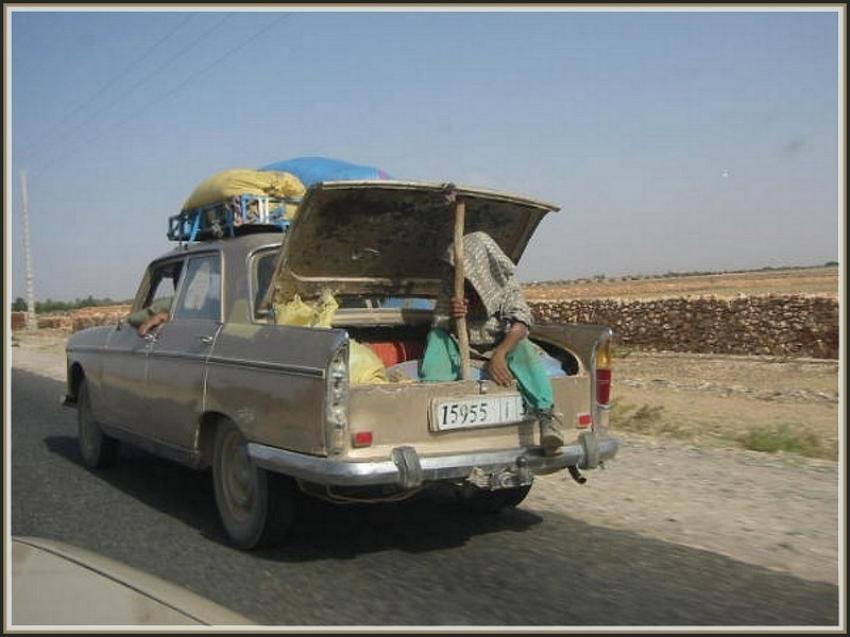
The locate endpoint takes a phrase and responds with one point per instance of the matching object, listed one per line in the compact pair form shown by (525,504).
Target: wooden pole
(460,323)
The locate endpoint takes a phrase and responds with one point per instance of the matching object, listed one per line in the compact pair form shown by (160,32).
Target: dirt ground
(822,280)
(739,401)
(684,473)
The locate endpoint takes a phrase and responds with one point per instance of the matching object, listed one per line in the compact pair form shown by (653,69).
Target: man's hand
(459,307)
(497,366)
(498,370)
(152,322)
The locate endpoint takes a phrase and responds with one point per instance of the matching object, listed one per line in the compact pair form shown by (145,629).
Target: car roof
(239,245)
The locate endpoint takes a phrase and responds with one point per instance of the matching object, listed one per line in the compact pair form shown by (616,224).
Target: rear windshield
(262,271)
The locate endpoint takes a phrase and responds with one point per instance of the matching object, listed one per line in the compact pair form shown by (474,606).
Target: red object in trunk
(392,352)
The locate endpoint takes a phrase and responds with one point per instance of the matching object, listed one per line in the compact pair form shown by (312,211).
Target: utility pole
(32,324)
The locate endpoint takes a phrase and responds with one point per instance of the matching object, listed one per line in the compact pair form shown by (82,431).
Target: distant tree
(19,305)
(831,264)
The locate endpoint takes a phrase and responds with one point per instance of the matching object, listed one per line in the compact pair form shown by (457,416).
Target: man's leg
(536,389)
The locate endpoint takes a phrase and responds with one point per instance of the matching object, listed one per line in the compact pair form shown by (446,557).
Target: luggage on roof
(244,181)
(311,170)
(240,200)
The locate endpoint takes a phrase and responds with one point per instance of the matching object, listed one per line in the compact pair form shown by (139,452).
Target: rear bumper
(407,469)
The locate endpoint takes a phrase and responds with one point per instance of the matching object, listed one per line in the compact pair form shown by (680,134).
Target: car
(273,408)
(56,583)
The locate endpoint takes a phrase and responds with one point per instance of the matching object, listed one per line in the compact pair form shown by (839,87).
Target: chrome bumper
(407,469)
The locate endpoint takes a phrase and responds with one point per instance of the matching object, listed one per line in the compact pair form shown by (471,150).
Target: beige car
(54,583)
(273,409)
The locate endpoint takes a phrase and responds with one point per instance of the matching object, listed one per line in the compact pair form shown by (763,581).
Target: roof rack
(238,215)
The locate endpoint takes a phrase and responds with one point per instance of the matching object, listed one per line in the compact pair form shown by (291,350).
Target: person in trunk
(497,318)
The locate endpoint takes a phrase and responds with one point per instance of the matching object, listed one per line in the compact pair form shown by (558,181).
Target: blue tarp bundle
(311,170)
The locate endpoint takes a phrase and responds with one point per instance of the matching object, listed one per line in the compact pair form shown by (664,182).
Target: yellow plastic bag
(244,181)
(364,365)
(297,312)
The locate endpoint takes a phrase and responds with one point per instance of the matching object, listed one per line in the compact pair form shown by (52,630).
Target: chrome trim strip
(178,355)
(293,370)
(345,473)
(142,351)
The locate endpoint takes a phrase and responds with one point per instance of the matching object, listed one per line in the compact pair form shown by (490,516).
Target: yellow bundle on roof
(245,181)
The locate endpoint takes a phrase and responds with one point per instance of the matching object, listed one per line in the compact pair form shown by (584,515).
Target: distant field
(820,281)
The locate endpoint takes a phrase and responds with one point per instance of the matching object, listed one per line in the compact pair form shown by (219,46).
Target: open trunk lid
(388,237)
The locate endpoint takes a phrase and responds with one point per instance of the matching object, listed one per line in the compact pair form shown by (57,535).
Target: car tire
(255,506)
(97,449)
(491,502)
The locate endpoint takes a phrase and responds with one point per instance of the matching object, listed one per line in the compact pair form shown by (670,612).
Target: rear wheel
(489,502)
(97,449)
(254,505)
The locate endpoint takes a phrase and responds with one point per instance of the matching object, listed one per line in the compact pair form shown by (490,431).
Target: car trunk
(401,413)
(378,248)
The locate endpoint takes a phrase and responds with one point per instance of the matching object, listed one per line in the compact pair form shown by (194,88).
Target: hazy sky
(672,140)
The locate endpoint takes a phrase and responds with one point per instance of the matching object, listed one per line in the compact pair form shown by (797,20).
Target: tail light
(603,374)
(336,402)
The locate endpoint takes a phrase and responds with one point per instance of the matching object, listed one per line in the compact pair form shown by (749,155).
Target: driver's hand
(152,322)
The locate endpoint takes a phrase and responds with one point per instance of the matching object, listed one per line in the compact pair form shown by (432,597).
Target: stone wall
(790,325)
(787,325)
(76,320)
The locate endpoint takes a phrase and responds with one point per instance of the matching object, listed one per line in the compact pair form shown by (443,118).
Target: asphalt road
(406,564)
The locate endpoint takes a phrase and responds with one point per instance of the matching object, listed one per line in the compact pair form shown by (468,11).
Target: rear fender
(583,341)
(270,380)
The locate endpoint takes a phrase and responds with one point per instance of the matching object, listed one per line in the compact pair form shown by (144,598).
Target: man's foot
(551,434)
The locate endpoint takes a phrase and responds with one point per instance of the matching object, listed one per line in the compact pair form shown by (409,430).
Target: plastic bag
(297,312)
(364,365)
(244,181)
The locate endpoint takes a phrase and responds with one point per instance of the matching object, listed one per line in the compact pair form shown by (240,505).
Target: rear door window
(200,297)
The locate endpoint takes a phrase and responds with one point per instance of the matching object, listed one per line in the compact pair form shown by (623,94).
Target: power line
(188,80)
(108,84)
(142,81)
(227,54)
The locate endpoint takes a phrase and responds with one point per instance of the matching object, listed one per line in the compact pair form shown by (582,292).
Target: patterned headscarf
(486,267)
(491,274)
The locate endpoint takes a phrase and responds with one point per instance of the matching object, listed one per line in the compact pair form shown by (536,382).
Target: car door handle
(151,337)
(206,340)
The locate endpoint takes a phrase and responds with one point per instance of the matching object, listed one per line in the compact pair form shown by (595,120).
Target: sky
(671,140)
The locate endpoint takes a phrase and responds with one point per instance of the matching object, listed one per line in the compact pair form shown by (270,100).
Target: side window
(201,294)
(164,282)
(262,273)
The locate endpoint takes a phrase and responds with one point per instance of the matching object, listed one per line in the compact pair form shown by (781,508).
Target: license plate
(478,411)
